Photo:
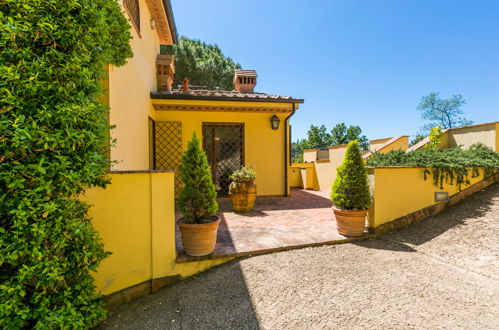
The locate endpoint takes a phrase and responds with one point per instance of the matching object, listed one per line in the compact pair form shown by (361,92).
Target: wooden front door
(224,146)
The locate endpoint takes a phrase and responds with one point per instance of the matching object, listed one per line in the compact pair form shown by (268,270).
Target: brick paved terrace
(277,223)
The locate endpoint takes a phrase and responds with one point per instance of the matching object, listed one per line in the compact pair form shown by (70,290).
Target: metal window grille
(132,7)
(224,146)
(168,147)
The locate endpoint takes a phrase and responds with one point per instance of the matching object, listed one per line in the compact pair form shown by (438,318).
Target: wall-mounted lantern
(274,121)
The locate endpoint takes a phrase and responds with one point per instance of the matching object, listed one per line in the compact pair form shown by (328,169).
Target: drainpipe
(286,163)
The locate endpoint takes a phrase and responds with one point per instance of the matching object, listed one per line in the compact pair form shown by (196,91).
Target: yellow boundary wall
(320,174)
(135,218)
(486,133)
(399,191)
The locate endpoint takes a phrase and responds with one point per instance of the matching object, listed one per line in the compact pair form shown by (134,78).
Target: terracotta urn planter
(350,222)
(242,195)
(199,239)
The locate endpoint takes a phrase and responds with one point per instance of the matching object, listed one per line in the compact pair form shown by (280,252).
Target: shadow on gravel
(218,299)
(382,244)
(418,233)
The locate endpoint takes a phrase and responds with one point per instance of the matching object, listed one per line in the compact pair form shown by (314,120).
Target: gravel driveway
(440,273)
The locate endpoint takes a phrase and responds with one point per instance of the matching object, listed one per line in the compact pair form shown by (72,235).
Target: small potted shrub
(197,202)
(242,190)
(350,193)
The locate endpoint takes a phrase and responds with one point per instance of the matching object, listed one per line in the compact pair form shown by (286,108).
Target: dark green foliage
(449,165)
(197,199)
(297,150)
(243,174)
(53,142)
(341,134)
(350,189)
(318,137)
(204,65)
(443,112)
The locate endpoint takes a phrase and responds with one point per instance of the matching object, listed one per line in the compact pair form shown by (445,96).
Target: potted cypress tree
(197,202)
(350,193)
(242,190)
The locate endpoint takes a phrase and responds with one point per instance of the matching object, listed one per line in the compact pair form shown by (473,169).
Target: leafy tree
(350,190)
(54,138)
(318,137)
(341,134)
(443,112)
(197,198)
(204,64)
(297,150)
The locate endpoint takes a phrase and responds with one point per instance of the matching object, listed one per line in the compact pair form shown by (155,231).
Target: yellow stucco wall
(467,136)
(129,90)
(401,191)
(375,144)
(487,134)
(336,156)
(309,155)
(295,179)
(302,164)
(402,143)
(134,216)
(325,175)
(497,137)
(264,147)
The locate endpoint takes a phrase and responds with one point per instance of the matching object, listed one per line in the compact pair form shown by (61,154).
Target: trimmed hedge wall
(54,141)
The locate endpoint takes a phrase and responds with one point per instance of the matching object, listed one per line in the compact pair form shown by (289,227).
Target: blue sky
(362,62)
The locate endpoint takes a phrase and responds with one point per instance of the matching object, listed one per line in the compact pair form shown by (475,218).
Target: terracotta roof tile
(220,94)
(248,73)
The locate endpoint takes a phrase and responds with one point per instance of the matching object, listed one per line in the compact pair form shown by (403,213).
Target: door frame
(213,145)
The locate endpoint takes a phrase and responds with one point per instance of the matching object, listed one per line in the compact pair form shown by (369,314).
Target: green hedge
(449,165)
(54,141)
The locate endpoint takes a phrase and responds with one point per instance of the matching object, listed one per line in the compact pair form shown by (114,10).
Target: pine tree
(350,189)
(197,198)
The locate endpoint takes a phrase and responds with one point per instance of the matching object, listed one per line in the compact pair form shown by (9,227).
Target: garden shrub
(435,138)
(53,145)
(197,198)
(350,189)
(448,165)
(243,174)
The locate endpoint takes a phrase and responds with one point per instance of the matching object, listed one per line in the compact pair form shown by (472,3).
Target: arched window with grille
(133,10)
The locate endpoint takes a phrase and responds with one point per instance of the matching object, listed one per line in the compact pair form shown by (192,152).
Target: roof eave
(155,95)
(161,13)
(171,20)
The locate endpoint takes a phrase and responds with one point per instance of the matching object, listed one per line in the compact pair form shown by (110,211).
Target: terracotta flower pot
(243,196)
(349,222)
(199,239)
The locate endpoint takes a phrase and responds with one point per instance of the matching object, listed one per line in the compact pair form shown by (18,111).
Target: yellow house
(129,86)
(135,214)
(154,123)
(238,128)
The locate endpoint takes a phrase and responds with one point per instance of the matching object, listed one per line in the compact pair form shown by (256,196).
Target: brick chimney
(164,72)
(244,80)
